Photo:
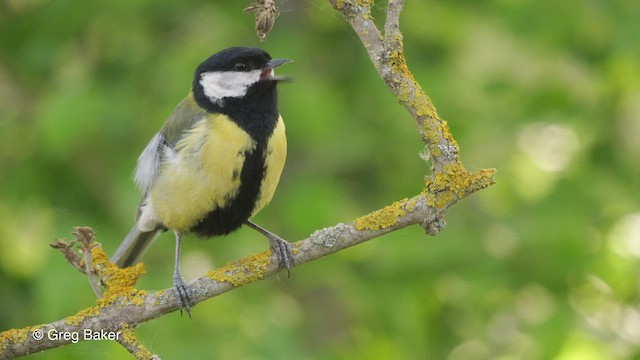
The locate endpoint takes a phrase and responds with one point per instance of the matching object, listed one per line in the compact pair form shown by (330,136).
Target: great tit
(216,162)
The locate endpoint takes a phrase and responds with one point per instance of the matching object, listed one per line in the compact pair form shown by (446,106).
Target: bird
(215,162)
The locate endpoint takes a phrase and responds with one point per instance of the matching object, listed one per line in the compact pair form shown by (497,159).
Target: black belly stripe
(238,209)
(257,114)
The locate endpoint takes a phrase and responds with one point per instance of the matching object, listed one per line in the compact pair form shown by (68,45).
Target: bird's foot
(282,249)
(278,246)
(184,294)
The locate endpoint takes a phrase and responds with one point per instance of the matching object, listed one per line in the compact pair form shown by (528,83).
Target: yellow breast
(201,175)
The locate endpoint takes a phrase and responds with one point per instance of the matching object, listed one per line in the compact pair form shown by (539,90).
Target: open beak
(274,63)
(269,74)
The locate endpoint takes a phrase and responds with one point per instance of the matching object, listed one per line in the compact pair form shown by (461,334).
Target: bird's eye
(241,67)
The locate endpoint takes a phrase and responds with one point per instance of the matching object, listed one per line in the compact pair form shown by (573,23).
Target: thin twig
(128,340)
(387,55)
(66,248)
(86,236)
(392,22)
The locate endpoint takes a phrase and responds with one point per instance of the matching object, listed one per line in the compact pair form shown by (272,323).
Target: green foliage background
(543,265)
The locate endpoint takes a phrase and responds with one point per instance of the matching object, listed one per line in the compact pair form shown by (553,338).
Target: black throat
(257,114)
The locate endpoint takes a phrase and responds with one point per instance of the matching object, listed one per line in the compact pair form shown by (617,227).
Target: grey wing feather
(160,147)
(148,163)
(137,241)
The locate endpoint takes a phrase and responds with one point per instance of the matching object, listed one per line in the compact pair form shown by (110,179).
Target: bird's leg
(279,246)
(182,290)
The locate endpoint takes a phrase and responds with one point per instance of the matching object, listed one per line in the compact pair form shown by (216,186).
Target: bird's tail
(133,246)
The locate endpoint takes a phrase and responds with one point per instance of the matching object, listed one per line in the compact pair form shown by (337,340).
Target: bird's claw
(282,249)
(183,293)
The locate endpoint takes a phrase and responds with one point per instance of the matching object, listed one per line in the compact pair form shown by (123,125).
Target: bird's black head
(231,72)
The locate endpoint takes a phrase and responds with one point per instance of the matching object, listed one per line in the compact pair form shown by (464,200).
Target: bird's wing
(148,163)
(186,113)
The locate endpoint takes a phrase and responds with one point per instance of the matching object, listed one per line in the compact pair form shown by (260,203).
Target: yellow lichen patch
(353,6)
(15,336)
(409,91)
(398,62)
(439,199)
(446,133)
(119,282)
(455,179)
(411,204)
(81,315)
(411,94)
(383,218)
(338,4)
(243,271)
(432,136)
(295,249)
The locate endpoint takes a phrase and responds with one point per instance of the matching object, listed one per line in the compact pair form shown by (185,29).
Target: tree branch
(123,307)
(387,55)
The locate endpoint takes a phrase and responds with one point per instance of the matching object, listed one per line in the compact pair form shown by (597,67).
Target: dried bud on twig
(85,238)
(266,14)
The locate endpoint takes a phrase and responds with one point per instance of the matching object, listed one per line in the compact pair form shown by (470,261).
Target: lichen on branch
(450,180)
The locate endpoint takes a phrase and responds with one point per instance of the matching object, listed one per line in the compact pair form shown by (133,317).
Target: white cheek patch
(225,84)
